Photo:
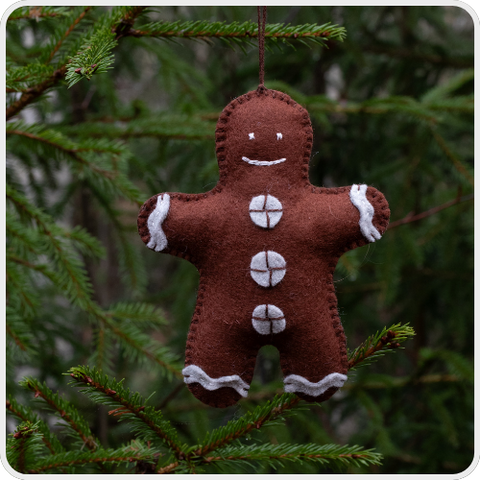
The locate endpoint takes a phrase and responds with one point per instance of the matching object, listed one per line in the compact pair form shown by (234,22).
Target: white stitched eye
(251,136)
(279,136)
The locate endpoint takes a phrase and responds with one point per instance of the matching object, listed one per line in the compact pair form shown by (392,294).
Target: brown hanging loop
(261,45)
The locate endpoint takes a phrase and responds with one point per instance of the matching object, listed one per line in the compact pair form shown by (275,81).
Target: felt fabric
(265,211)
(263,162)
(215,232)
(194,374)
(358,198)
(268,319)
(296,383)
(268,268)
(158,241)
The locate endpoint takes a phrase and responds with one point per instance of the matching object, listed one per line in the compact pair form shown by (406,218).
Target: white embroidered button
(267,319)
(268,268)
(265,211)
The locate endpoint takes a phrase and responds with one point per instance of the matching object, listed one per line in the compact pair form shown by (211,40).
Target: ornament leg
(315,365)
(218,369)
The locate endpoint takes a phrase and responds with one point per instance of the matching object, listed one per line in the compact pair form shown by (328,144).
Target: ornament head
(264,135)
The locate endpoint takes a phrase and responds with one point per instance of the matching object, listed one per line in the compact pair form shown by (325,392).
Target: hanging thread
(261,43)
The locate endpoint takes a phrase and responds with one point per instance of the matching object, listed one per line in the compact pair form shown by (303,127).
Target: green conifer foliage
(107,106)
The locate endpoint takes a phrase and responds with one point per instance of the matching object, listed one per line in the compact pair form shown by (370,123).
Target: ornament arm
(158,240)
(166,224)
(372,211)
(357,215)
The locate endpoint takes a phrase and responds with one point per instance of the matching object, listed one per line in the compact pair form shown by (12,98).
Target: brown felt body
(215,232)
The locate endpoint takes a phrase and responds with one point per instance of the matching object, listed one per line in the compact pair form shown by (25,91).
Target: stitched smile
(262,162)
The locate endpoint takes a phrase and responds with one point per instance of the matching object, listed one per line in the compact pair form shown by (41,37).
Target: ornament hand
(158,240)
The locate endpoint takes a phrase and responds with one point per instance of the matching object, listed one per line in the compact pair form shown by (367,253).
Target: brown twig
(34,13)
(432,211)
(16,339)
(168,468)
(67,33)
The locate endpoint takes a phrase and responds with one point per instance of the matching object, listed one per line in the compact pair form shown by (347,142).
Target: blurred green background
(391,106)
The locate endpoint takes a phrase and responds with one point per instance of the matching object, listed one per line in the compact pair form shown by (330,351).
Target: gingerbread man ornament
(266,243)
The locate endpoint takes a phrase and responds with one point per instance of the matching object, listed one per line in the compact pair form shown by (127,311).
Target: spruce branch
(23,446)
(73,276)
(133,453)
(425,110)
(431,211)
(276,455)
(261,416)
(16,338)
(20,79)
(19,331)
(450,154)
(34,92)
(375,346)
(128,406)
(234,32)
(25,414)
(140,346)
(67,412)
(162,125)
(102,167)
(36,13)
(74,282)
(95,55)
(67,33)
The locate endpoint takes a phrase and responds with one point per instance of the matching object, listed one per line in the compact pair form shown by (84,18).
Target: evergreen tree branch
(66,410)
(112,393)
(80,152)
(75,283)
(59,74)
(378,344)
(34,92)
(262,415)
(142,344)
(21,436)
(16,339)
(236,31)
(129,454)
(277,454)
(169,468)
(35,13)
(432,211)
(25,414)
(455,62)
(457,163)
(67,33)
(164,125)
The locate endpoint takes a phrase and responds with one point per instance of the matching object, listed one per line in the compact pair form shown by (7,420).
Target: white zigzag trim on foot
(158,240)
(296,383)
(194,374)
(359,199)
